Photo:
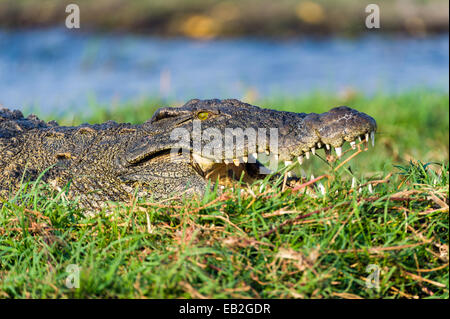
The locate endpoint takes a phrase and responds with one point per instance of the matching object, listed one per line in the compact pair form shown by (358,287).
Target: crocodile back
(12,123)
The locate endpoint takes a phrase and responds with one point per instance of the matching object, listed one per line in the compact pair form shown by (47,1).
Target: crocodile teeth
(236,162)
(227,161)
(307,155)
(267,152)
(313,150)
(254,155)
(319,145)
(300,160)
(287,163)
(327,146)
(244,159)
(359,138)
(372,137)
(338,151)
(367,137)
(353,144)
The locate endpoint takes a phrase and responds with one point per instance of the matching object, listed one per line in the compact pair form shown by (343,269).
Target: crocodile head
(178,151)
(221,139)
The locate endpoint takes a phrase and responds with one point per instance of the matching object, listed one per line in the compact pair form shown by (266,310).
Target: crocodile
(172,154)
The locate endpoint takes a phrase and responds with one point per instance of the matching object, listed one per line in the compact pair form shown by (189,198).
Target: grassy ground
(265,240)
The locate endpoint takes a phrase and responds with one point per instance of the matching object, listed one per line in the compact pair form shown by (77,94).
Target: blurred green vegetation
(206,19)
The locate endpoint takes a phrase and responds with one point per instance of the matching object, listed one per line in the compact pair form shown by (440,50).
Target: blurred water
(62,69)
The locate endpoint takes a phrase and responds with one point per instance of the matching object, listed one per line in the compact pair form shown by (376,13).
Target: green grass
(264,240)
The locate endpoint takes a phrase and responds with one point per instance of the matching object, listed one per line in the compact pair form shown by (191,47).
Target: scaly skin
(111,161)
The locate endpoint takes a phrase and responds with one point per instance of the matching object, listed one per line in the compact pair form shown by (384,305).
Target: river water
(57,69)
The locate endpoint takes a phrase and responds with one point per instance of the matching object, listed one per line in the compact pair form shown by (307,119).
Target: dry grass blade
(348,159)
(293,220)
(301,261)
(346,295)
(374,183)
(433,269)
(419,278)
(189,289)
(296,188)
(374,250)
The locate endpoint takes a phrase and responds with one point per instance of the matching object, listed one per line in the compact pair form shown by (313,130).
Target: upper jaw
(300,135)
(341,124)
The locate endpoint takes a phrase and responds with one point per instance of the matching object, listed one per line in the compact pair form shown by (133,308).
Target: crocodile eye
(202,116)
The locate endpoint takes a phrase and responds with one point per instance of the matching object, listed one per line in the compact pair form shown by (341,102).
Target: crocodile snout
(327,130)
(341,124)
